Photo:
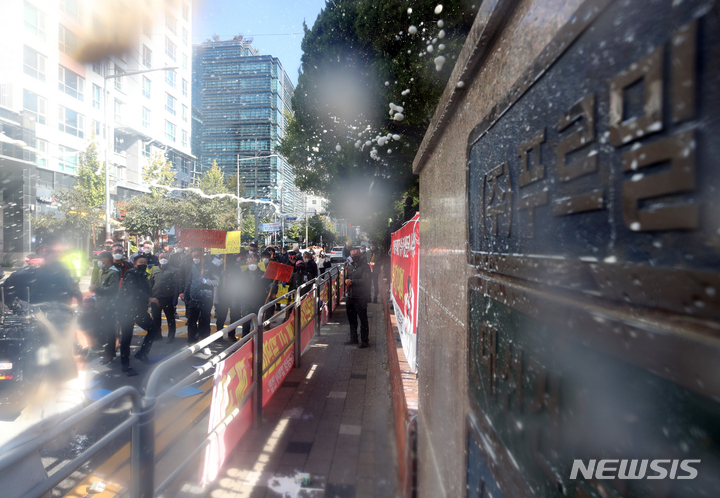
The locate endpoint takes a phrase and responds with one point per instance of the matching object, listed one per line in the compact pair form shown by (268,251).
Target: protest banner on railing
(307,320)
(274,341)
(404,258)
(233,378)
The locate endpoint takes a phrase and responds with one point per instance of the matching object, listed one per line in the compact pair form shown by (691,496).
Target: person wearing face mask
(254,289)
(265,258)
(253,249)
(198,295)
(300,277)
(106,290)
(231,293)
(373,258)
(119,261)
(164,286)
(310,265)
(135,293)
(358,294)
(146,251)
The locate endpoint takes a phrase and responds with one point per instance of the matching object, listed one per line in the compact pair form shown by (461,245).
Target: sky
(276,25)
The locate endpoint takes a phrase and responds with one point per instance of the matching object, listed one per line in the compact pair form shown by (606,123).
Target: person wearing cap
(373,258)
(165,286)
(254,290)
(198,295)
(253,249)
(146,251)
(106,290)
(135,292)
(357,284)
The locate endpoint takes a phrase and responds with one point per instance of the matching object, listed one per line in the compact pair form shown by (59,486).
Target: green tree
(158,172)
(352,50)
(208,212)
(81,209)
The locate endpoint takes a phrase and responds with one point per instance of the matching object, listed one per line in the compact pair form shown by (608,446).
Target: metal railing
(141,419)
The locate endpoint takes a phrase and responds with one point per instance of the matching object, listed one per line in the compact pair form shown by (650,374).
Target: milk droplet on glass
(430,49)
(441,34)
(409,10)
(338,148)
(387,83)
(396,137)
(441,46)
(439,61)
(438,8)
(460,84)
(412,30)
(405,92)
(441,23)
(398,116)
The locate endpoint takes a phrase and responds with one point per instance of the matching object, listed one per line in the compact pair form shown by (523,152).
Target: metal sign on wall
(595,181)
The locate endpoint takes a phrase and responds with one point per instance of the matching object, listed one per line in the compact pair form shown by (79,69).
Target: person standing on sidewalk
(374,259)
(357,284)
(119,260)
(106,290)
(199,296)
(165,286)
(254,290)
(135,291)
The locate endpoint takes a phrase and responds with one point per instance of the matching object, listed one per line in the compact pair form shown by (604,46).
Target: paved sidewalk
(332,418)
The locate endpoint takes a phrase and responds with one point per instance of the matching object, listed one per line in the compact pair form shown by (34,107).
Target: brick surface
(331,419)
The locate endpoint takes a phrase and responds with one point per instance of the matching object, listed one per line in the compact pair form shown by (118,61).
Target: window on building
(184,138)
(147,57)
(34,21)
(170,77)
(146,117)
(184,62)
(118,111)
(67,41)
(96,96)
(45,179)
(118,81)
(97,128)
(71,122)
(185,11)
(185,87)
(146,150)
(170,49)
(171,23)
(97,68)
(34,63)
(146,87)
(147,27)
(41,155)
(185,37)
(67,159)
(71,8)
(36,106)
(71,83)
(170,104)
(184,113)
(314,202)
(169,131)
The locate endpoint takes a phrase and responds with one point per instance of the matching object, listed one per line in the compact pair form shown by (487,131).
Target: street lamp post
(108,228)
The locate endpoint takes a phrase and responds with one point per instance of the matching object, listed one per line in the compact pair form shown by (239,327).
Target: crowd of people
(139,289)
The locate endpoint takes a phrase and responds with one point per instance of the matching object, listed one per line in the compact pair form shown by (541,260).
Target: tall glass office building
(244,99)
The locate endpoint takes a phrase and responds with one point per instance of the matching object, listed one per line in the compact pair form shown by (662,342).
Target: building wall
(39,27)
(442,329)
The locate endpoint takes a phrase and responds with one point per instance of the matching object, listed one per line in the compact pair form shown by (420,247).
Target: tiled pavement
(332,418)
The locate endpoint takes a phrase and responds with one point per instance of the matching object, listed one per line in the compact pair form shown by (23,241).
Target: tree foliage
(158,172)
(352,50)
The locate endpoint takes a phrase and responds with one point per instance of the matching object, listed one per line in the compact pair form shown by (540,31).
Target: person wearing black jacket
(165,287)
(358,295)
(254,290)
(135,293)
(198,296)
(310,265)
(374,259)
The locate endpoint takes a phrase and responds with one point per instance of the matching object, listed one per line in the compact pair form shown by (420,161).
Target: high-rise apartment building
(244,99)
(73,103)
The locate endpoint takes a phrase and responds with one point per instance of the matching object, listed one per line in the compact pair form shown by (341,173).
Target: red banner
(278,271)
(404,284)
(274,341)
(233,378)
(196,237)
(307,320)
